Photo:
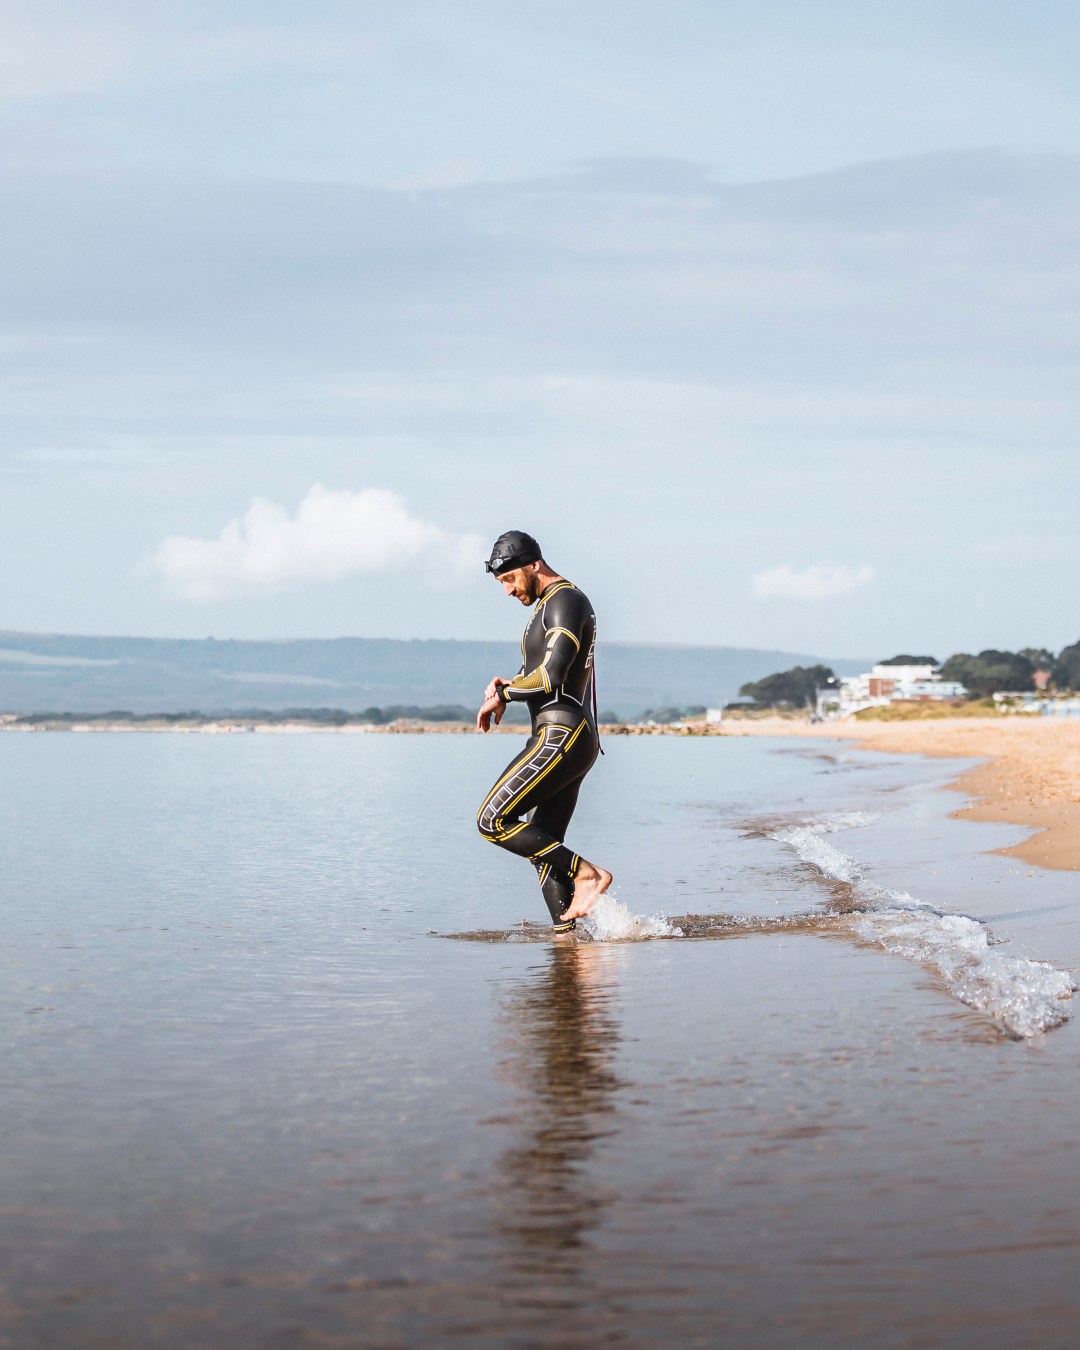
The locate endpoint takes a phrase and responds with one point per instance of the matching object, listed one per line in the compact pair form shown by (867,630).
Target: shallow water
(254,1098)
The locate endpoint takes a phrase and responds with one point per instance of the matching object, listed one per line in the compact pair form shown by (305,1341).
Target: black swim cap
(512,549)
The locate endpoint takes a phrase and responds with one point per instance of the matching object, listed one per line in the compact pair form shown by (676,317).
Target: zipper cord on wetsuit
(595,714)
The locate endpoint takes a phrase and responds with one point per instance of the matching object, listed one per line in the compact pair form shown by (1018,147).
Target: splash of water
(610,920)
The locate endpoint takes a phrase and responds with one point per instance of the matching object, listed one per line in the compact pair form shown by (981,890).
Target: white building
(884,684)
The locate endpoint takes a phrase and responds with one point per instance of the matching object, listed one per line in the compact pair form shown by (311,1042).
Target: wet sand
(1030,777)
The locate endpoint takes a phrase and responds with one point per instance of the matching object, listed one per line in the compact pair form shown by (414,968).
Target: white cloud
(332,535)
(821,582)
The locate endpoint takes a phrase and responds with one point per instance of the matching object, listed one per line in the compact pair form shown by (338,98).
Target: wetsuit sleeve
(563,627)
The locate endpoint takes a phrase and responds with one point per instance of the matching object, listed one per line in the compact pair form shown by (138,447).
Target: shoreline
(1029,773)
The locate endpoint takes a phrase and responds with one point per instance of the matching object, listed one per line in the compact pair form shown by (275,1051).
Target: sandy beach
(1031,773)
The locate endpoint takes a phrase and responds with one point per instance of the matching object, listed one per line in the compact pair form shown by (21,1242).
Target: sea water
(806,1076)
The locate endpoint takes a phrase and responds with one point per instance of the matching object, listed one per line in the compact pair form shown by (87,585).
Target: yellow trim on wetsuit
(533,683)
(553,590)
(576,733)
(509,834)
(539,678)
(556,759)
(514,768)
(517,766)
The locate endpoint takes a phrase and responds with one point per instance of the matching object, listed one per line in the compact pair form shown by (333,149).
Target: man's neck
(549,579)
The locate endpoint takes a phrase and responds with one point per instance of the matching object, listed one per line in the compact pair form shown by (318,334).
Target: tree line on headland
(988,672)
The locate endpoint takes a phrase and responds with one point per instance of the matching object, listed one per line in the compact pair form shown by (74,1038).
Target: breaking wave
(1025,997)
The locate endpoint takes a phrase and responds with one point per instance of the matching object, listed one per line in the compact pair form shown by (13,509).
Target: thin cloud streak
(615,96)
(820,582)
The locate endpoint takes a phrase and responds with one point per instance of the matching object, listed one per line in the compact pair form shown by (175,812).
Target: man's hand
(493,706)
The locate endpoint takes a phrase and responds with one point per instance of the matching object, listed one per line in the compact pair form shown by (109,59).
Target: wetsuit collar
(550,589)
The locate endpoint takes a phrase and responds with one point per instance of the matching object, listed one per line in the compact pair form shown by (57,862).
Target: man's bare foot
(589,885)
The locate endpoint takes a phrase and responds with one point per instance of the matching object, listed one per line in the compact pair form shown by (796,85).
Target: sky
(763,317)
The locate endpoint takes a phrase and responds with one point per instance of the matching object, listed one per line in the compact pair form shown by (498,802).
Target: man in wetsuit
(529,808)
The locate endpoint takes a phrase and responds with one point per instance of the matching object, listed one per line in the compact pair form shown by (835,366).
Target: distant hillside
(57,673)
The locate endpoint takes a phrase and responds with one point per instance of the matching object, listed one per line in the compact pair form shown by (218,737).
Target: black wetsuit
(529,808)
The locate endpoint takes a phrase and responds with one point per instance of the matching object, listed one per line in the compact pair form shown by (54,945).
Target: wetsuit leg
(553,816)
(554,759)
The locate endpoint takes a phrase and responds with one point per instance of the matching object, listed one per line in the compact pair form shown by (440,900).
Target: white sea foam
(610,920)
(813,848)
(842,820)
(1025,997)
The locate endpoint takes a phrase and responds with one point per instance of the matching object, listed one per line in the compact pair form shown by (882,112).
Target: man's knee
(488,823)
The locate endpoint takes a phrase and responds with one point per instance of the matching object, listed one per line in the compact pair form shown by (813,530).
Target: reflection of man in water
(564,1041)
(529,808)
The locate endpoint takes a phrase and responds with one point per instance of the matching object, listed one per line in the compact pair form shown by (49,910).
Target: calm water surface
(252,1096)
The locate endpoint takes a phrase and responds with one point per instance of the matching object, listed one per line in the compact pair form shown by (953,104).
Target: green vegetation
(924,711)
(909,661)
(1066,669)
(994,672)
(795,688)
(990,672)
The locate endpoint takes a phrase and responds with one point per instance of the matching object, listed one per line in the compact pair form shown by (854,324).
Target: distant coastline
(222,725)
(323,721)
(242,680)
